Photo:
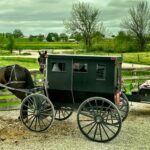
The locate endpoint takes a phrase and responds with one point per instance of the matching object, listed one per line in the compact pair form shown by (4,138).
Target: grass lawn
(47,45)
(136,58)
(7,96)
(9,104)
(29,63)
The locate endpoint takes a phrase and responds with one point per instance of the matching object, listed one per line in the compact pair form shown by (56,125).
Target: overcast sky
(43,16)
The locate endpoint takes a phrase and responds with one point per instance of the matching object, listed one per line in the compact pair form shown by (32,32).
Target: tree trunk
(141,43)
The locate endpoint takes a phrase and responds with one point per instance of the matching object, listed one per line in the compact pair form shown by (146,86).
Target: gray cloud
(35,16)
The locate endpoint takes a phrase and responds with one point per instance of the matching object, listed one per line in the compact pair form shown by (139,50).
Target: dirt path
(65,135)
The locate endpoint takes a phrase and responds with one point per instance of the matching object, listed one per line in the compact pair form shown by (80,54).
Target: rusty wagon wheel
(99,119)
(37,112)
(62,113)
(123,106)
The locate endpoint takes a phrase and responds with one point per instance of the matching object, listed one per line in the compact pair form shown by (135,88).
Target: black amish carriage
(89,84)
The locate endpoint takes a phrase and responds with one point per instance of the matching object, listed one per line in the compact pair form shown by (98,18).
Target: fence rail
(134,76)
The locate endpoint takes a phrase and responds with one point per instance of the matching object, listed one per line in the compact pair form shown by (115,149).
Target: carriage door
(81,81)
(59,75)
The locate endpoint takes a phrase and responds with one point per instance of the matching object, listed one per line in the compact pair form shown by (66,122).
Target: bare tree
(138,23)
(85,20)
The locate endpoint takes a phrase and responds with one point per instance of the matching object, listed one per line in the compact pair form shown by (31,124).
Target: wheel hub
(37,113)
(98,119)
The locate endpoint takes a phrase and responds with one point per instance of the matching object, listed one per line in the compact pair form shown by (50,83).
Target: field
(46,45)
(30,63)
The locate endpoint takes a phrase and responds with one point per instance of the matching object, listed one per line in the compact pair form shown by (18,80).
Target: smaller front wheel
(99,119)
(37,112)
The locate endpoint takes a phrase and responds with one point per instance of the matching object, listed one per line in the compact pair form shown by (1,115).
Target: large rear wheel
(99,119)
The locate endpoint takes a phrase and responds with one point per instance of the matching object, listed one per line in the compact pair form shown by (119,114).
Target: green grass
(7,96)
(8,104)
(29,63)
(137,58)
(46,45)
(5,53)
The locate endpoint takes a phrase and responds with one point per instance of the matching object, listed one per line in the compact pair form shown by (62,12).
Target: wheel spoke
(35,123)
(109,128)
(95,131)
(87,115)
(111,118)
(100,131)
(30,111)
(91,128)
(44,114)
(86,120)
(32,122)
(101,108)
(63,113)
(46,110)
(39,123)
(43,122)
(105,131)
(30,118)
(91,107)
(88,125)
(96,105)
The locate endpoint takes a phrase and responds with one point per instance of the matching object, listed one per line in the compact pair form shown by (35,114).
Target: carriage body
(72,79)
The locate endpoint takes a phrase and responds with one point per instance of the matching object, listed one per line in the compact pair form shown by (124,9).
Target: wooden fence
(134,78)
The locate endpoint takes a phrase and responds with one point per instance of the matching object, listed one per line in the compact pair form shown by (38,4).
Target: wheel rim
(123,106)
(37,112)
(62,113)
(99,119)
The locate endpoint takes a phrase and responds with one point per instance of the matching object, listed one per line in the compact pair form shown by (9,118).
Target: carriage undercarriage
(98,118)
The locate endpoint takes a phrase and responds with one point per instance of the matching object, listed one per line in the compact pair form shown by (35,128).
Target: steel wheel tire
(37,112)
(99,119)
(123,106)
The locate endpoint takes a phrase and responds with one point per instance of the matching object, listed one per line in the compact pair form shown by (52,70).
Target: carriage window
(100,72)
(80,67)
(58,67)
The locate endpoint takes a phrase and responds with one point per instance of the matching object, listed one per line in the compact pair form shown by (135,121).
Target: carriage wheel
(37,112)
(123,106)
(62,113)
(99,119)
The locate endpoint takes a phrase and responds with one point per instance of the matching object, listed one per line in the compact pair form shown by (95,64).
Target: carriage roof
(87,57)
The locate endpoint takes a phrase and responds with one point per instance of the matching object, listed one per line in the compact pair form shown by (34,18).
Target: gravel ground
(65,135)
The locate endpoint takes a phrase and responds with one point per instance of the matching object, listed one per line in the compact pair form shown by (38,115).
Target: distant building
(71,40)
